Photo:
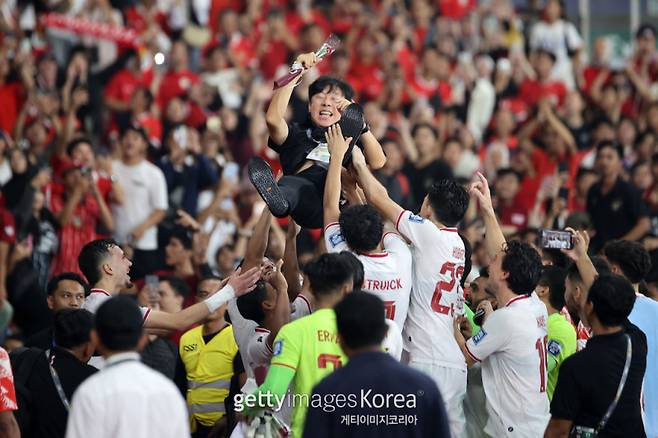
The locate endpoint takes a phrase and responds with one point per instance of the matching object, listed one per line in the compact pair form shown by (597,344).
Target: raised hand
(480,189)
(244,282)
(580,245)
(337,144)
(307,60)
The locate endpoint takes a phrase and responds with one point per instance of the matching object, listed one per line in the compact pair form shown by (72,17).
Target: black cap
(645,30)
(119,323)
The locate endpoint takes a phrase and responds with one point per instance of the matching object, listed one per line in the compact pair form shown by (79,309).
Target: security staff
(208,352)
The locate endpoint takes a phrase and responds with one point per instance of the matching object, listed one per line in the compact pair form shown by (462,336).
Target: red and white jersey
(583,333)
(438,264)
(99,296)
(386,274)
(301,307)
(259,354)
(512,348)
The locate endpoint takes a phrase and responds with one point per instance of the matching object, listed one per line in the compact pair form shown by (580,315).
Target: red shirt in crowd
(456,9)
(10,98)
(7,390)
(513,214)
(366,79)
(532,92)
(80,230)
(7,227)
(122,86)
(175,84)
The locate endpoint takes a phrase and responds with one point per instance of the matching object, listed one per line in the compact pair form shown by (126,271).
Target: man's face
(646,43)
(507,186)
(175,252)
(83,154)
(478,292)
(120,265)
(205,290)
(323,107)
(226,260)
(170,302)
(133,144)
(608,162)
(572,296)
(69,294)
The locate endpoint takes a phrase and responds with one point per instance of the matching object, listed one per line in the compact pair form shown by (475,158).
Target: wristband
(220,298)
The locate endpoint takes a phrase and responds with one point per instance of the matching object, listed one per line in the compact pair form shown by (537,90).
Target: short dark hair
(600,264)
(71,276)
(361,320)
(92,256)
(556,256)
(523,265)
(553,277)
(618,148)
(71,327)
(362,226)
(418,126)
(119,323)
(178,285)
(613,298)
(183,235)
(251,305)
(327,273)
(321,83)
(633,260)
(357,269)
(448,200)
(73,144)
(504,171)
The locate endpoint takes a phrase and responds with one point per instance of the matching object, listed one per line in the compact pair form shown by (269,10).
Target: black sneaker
(261,176)
(351,124)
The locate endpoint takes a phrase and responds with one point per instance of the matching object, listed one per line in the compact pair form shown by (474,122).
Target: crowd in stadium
(187,250)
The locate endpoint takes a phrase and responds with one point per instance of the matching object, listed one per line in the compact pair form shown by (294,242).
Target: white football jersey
(438,264)
(386,274)
(512,348)
(300,308)
(98,296)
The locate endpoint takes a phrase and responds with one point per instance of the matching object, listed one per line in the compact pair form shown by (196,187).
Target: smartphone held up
(556,239)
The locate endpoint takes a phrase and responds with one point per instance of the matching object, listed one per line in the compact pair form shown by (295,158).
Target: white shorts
(452,384)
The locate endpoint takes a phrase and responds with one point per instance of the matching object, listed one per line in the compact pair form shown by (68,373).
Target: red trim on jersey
(146,315)
(310,309)
(397,222)
(261,330)
(283,365)
(329,225)
(520,297)
(452,230)
(100,291)
(267,345)
(471,354)
(375,255)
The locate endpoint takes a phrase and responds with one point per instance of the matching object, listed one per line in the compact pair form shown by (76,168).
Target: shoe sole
(261,176)
(351,124)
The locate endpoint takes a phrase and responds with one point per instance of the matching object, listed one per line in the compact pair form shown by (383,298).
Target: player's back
(310,346)
(438,265)
(516,375)
(387,274)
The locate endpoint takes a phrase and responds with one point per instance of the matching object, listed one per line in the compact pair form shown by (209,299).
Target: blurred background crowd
(136,118)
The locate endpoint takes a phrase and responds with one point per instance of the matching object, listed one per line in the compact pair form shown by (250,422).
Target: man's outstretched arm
(494,238)
(337,149)
(275,117)
(239,284)
(376,194)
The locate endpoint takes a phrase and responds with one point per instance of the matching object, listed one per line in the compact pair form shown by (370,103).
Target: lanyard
(57,382)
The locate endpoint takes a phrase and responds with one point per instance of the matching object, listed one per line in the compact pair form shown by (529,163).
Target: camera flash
(159,58)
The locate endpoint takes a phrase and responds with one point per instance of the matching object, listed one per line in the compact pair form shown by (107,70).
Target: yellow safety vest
(209,369)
